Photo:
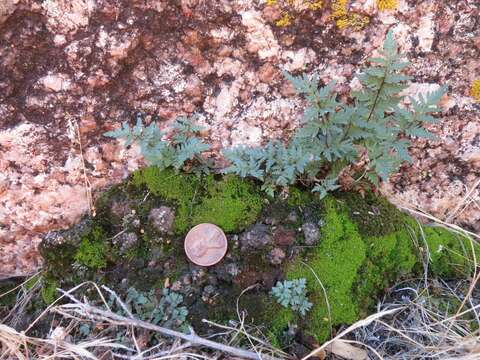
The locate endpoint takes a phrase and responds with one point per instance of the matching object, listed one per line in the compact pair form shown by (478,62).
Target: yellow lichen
(286,20)
(344,19)
(315,4)
(358,21)
(292,8)
(475,89)
(339,8)
(384,5)
(342,23)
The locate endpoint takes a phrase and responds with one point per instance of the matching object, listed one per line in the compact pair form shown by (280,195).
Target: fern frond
(185,145)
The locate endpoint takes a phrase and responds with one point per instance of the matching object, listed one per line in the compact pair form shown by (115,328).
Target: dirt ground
(69,71)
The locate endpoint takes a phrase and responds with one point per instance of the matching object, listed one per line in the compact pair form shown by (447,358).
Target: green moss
(230,202)
(261,309)
(405,255)
(59,258)
(336,262)
(366,245)
(373,215)
(7,296)
(32,281)
(279,318)
(92,250)
(105,217)
(49,290)
(450,254)
(233,204)
(179,189)
(388,258)
(299,198)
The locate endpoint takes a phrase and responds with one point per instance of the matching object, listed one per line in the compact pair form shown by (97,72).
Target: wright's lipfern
(329,139)
(292,294)
(274,165)
(331,132)
(185,145)
(166,311)
(381,121)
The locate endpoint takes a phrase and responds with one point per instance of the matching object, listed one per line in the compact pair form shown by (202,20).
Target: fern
(332,132)
(275,164)
(185,147)
(328,140)
(292,294)
(166,311)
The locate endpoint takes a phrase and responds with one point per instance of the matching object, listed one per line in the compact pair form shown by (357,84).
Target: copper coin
(205,244)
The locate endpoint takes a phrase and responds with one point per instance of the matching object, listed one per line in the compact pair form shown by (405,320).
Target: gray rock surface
(257,237)
(311,233)
(276,256)
(162,219)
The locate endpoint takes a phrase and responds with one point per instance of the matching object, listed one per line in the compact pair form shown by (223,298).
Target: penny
(205,244)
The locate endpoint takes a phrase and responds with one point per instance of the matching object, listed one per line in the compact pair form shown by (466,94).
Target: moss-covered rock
(448,253)
(92,250)
(176,189)
(229,202)
(373,215)
(334,264)
(366,244)
(49,289)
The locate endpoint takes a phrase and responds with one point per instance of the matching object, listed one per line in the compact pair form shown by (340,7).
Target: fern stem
(377,96)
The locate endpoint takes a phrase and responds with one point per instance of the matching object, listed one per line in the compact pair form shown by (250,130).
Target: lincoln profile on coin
(205,244)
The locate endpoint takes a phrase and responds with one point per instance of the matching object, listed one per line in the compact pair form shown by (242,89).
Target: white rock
(59,40)
(227,99)
(259,36)
(402,35)
(228,66)
(297,60)
(245,134)
(386,18)
(426,32)
(223,33)
(56,82)
(66,15)
(6,8)
(472,154)
(368,7)
(355,84)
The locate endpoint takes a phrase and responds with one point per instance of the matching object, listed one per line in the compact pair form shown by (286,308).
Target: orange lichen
(475,89)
